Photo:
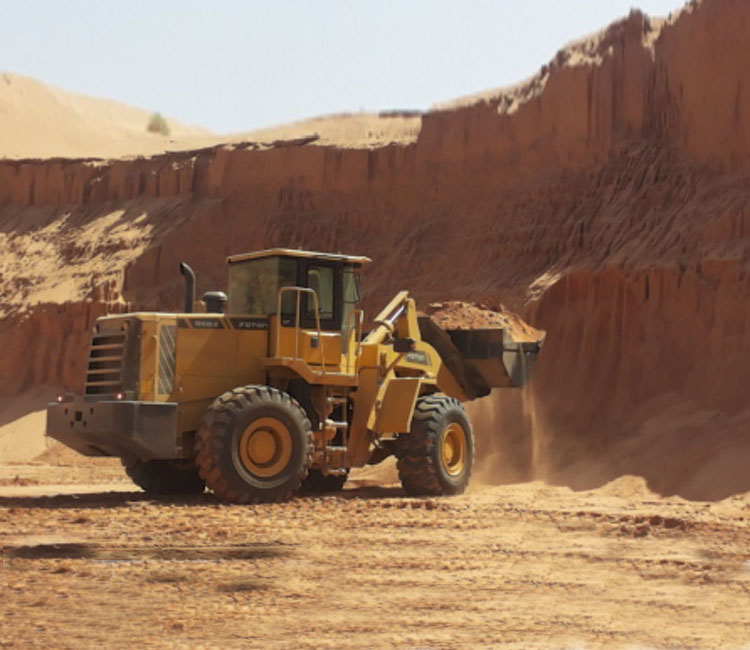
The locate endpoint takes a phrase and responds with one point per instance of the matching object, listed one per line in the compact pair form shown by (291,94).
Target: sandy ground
(99,564)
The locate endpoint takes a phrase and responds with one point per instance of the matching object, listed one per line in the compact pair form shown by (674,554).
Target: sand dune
(40,121)
(352,130)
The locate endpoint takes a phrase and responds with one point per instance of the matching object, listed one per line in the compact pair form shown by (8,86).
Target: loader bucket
(482,359)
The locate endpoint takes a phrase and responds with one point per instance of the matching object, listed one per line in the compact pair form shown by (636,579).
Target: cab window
(254,285)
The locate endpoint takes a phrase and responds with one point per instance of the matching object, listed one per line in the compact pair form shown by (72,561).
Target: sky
(232,65)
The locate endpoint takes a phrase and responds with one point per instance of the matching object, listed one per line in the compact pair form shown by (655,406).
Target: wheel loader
(275,388)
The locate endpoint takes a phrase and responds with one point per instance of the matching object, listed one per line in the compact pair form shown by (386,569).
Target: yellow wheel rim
(265,447)
(454,447)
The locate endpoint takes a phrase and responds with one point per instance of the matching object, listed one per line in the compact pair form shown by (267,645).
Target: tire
(254,445)
(437,455)
(319,483)
(165,476)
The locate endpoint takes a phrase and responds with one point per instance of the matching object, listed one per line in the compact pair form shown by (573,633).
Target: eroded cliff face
(606,197)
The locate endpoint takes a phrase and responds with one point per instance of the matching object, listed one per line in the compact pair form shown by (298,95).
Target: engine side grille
(106,358)
(167,358)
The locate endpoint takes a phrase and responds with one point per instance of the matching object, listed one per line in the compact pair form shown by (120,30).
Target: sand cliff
(606,197)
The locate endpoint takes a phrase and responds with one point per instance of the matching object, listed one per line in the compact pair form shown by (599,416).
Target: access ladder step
(334,424)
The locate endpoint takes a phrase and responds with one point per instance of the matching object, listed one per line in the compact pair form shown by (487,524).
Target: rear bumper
(145,430)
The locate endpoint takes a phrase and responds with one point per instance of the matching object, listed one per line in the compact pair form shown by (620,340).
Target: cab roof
(291,252)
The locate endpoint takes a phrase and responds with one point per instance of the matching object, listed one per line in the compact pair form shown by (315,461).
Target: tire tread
(417,453)
(216,432)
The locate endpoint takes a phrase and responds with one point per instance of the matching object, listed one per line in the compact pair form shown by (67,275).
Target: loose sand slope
(22,421)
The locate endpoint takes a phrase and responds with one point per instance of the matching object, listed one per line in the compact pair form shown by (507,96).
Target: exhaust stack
(189,276)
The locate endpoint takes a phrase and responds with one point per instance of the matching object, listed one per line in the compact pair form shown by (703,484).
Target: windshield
(254,285)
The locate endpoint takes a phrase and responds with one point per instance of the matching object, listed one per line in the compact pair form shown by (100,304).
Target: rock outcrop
(607,197)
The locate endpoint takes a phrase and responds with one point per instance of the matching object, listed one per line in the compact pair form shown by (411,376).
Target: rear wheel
(437,455)
(165,476)
(254,445)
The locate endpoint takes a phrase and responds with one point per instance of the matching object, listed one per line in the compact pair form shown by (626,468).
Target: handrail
(299,291)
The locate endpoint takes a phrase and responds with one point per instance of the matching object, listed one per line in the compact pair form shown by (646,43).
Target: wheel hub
(454,449)
(265,447)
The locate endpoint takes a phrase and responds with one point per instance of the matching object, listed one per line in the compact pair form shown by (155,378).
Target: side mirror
(403,345)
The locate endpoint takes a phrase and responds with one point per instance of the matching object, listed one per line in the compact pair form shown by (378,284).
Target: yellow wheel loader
(275,388)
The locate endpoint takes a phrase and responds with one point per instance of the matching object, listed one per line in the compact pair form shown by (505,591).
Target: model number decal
(207,323)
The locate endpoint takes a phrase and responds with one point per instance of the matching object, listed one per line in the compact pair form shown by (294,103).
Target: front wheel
(436,457)
(254,445)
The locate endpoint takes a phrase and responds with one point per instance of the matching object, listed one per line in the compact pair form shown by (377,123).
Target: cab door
(325,279)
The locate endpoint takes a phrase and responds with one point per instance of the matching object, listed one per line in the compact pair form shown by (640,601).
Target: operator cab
(255,280)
